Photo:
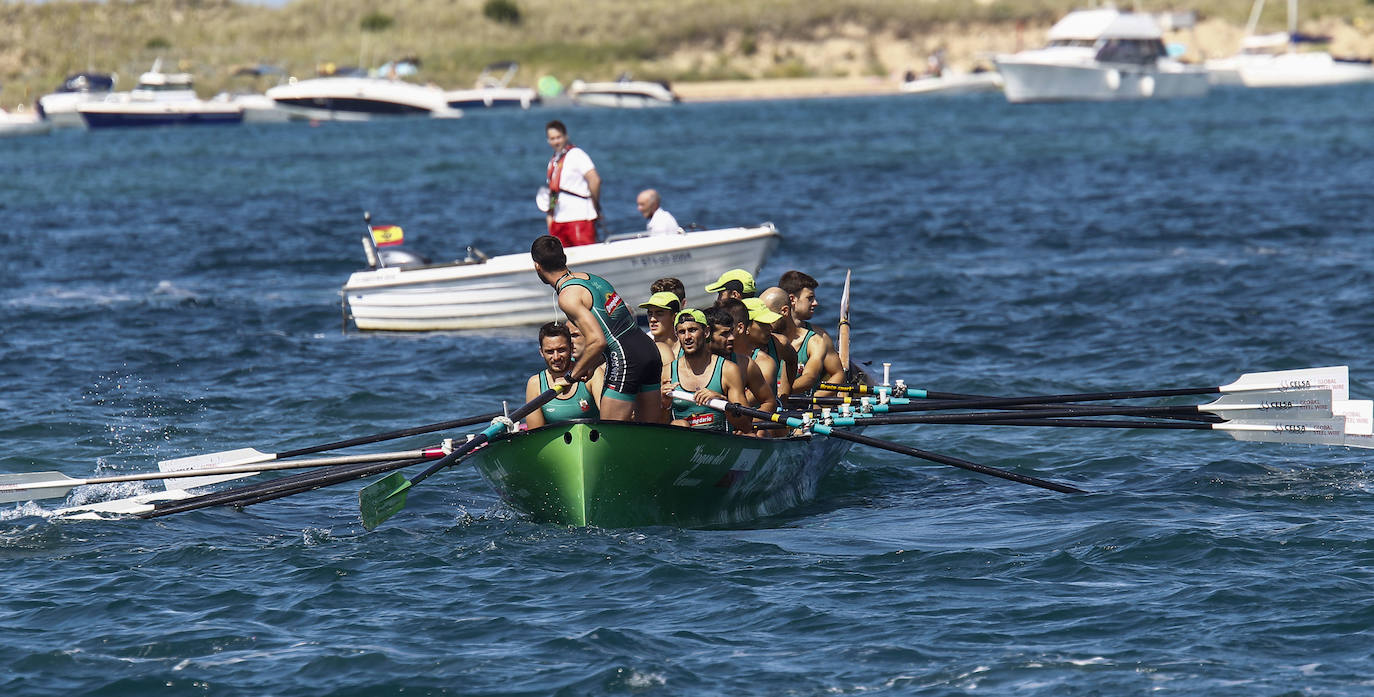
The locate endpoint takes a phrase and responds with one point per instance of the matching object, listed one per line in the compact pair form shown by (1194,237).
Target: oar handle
(488,433)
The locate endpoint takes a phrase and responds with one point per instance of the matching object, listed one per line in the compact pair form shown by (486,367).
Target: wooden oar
(32,486)
(733,408)
(1334,378)
(301,483)
(387,496)
(248,456)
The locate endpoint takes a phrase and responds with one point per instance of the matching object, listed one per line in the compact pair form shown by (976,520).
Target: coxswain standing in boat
(802,290)
(807,343)
(706,375)
(662,308)
(609,334)
(759,370)
(556,348)
(574,190)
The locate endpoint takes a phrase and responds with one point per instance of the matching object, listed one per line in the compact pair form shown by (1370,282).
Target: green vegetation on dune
(592,39)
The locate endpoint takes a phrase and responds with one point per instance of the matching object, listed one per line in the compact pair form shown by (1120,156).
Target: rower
(735,283)
(556,348)
(802,290)
(760,371)
(670,285)
(807,343)
(759,333)
(705,374)
(662,307)
(609,331)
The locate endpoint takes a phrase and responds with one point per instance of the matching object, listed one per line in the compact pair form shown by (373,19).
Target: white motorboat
(503,291)
(493,90)
(159,99)
(22,123)
(59,107)
(1276,60)
(951,83)
(624,92)
(1100,55)
(350,98)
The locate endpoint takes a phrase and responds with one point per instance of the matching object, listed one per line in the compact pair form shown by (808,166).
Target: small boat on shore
(59,107)
(350,98)
(159,99)
(503,291)
(949,83)
(493,90)
(624,92)
(22,123)
(625,474)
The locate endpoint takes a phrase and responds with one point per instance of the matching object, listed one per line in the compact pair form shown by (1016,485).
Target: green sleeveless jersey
(611,312)
(579,406)
(696,415)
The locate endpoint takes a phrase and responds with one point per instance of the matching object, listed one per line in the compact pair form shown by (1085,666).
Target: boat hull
(121,116)
(620,474)
(1049,82)
(359,98)
(505,292)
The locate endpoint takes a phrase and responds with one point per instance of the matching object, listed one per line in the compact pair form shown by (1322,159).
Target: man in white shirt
(661,222)
(574,190)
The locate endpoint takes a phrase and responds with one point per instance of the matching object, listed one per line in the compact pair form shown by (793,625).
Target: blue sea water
(175,292)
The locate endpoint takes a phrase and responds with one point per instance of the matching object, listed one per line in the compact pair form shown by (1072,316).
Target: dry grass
(594,39)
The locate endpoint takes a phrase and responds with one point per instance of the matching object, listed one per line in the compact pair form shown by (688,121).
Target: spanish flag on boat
(387,235)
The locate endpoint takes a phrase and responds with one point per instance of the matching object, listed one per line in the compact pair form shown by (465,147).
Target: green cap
(740,276)
(760,312)
(693,315)
(663,299)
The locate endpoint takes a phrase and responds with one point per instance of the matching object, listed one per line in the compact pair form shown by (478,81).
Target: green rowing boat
(623,474)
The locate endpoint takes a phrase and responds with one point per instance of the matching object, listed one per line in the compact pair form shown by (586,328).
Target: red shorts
(574,232)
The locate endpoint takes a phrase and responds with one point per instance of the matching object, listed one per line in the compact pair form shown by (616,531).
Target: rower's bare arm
(815,365)
(576,303)
(535,419)
(596,383)
(763,391)
(732,381)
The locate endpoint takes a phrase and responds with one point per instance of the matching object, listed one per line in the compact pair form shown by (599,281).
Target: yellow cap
(740,276)
(694,315)
(663,299)
(760,312)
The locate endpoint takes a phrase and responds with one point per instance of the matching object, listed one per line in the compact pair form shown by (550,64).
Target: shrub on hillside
(376,21)
(502,11)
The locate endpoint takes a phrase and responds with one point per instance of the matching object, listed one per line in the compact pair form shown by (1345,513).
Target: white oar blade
(228,458)
(1310,432)
(1335,378)
(133,505)
(32,486)
(1359,422)
(1273,404)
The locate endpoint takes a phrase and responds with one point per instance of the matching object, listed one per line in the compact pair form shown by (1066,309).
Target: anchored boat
(503,291)
(624,474)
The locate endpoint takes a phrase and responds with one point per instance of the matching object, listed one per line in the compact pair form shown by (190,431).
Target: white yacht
(357,98)
(1100,55)
(159,99)
(59,107)
(1277,60)
(493,90)
(624,92)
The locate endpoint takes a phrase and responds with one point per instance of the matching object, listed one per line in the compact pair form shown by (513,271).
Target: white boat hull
(1048,82)
(491,97)
(632,94)
(505,292)
(954,84)
(359,98)
(1313,69)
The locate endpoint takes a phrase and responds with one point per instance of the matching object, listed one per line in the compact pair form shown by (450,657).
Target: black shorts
(633,367)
